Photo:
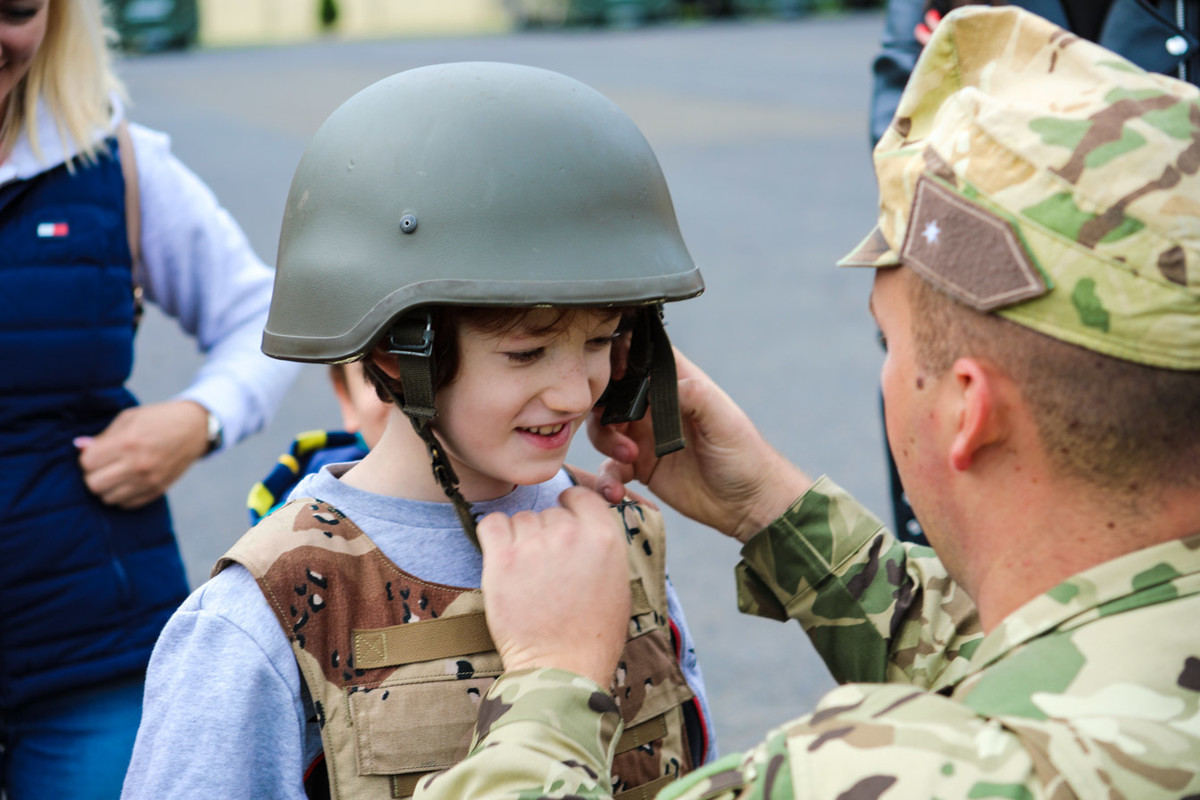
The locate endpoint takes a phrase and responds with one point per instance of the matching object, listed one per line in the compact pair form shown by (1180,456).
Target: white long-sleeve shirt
(197,267)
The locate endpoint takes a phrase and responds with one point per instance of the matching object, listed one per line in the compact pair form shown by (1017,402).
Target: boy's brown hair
(447,321)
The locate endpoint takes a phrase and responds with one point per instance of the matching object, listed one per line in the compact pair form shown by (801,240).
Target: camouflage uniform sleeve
(547,734)
(870,741)
(541,734)
(876,609)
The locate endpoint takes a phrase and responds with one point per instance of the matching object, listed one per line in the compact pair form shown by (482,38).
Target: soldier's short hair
(1116,424)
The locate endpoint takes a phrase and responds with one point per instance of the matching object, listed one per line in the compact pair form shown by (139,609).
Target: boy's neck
(399,466)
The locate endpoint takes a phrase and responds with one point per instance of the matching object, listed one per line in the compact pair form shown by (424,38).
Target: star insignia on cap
(931,232)
(977,258)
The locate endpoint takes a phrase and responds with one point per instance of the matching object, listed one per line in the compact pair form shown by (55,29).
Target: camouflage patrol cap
(1033,174)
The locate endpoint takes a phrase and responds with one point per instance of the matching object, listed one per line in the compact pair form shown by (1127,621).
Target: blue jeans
(73,745)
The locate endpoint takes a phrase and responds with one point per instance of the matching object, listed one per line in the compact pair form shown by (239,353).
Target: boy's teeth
(546,430)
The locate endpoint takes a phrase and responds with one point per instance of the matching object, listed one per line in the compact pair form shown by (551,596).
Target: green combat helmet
(1035,175)
(478,184)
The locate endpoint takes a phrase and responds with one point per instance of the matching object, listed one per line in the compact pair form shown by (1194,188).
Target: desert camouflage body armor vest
(396,666)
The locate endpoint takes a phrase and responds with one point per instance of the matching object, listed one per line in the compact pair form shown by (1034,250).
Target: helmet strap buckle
(649,380)
(411,342)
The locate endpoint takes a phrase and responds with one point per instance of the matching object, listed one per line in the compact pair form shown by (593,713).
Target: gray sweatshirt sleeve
(690,666)
(223,715)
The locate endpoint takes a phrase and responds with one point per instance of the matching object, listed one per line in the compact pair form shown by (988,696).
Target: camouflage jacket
(1091,690)
(396,665)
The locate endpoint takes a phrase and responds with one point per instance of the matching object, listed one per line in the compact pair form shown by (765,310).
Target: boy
(364,416)
(495,243)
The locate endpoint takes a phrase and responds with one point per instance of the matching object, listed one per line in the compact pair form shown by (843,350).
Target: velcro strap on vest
(638,735)
(639,599)
(647,791)
(430,639)
(421,641)
(406,785)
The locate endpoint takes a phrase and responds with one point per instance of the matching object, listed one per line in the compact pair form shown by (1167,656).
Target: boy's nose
(570,391)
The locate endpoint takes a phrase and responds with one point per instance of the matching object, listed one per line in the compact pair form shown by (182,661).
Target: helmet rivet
(408,223)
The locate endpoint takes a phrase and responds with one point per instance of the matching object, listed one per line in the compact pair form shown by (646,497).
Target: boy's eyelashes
(596,343)
(525,356)
(606,339)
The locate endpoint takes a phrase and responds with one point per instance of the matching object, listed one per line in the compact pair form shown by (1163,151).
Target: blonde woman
(89,567)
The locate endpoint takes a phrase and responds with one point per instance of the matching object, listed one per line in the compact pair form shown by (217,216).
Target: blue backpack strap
(309,452)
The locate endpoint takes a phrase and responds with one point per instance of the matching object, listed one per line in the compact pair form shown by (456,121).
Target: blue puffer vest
(84,588)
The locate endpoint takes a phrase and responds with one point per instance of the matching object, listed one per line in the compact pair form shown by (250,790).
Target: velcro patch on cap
(967,251)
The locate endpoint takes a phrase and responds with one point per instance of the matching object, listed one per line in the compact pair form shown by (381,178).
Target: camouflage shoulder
(822,531)
(876,608)
(874,740)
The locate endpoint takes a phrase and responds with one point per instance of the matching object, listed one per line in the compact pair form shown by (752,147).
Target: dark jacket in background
(85,587)
(1142,31)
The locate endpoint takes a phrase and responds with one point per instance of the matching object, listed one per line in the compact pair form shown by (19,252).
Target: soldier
(1038,285)
(495,242)
(1157,35)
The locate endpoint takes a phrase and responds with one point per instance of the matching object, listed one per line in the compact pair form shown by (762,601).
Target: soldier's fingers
(611,479)
(527,523)
(494,531)
(584,502)
(611,440)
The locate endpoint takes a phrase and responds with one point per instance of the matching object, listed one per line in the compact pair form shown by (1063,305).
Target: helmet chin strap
(664,391)
(649,380)
(443,473)
(411,342)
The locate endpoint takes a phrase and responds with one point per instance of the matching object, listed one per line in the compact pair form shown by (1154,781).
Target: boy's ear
(350,420)
(980,420)
(381,358)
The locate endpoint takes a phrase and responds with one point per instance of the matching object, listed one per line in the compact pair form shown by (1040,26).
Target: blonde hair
(73,74)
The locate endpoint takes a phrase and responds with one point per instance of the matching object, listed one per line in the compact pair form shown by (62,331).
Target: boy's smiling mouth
(545,430)
(548,437)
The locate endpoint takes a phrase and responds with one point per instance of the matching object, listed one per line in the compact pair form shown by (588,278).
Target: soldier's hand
(143,451)
(728,477)
(556,586)
(589,480)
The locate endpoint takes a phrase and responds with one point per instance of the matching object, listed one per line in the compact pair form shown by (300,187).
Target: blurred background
(155,25)
(757,110)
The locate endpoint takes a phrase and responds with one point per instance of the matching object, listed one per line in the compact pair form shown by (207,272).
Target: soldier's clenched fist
(556,586)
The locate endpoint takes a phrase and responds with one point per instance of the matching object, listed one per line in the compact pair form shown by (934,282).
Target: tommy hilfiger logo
(51,230)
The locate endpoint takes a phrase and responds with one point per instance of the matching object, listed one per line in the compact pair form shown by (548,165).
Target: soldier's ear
(980,406)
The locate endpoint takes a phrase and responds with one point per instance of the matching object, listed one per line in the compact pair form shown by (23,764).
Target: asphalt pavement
(761,130)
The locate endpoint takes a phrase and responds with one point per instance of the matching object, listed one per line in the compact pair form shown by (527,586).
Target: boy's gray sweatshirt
(225,712)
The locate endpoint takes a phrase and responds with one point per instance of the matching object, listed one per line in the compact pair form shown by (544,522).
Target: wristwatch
(216,433)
